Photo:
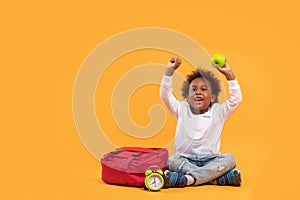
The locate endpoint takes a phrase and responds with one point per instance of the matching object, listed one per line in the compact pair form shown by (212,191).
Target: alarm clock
(154,179)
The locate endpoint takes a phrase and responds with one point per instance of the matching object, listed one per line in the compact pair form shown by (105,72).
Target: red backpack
(127,165)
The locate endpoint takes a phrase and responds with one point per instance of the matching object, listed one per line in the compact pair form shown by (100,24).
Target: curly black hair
(201,73)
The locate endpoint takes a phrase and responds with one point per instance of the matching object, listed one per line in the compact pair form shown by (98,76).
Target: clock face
(155,181)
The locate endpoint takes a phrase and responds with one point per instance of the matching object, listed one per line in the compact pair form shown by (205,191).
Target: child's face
(199,95)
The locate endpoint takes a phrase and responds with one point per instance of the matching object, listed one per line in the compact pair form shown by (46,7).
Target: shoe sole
(237,180)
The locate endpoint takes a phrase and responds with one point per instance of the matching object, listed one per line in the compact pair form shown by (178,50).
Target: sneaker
(174,179)
(232,177)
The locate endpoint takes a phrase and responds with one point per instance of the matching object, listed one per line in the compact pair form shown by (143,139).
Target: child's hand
(174,63)
(226,70)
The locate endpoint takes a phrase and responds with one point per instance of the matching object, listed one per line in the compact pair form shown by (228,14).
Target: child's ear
(213,98)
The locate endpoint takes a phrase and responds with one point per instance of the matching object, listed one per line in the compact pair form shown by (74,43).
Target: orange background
(43,45)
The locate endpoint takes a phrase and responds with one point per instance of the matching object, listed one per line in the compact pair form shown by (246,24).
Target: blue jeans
(204,168)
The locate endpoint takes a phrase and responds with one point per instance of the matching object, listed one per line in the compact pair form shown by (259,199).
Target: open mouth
(198,99)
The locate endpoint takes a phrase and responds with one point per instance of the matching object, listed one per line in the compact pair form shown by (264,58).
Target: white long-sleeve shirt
(199,134)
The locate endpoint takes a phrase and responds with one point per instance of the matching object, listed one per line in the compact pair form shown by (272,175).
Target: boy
(200,119)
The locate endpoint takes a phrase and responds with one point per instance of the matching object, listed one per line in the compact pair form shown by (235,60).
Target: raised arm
(235,94)
(166,94)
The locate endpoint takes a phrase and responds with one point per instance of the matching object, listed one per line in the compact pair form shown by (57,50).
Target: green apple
(218,59)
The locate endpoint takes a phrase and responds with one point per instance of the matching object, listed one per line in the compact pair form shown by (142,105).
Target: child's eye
(194,89)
